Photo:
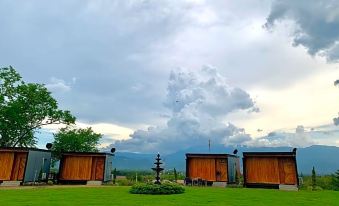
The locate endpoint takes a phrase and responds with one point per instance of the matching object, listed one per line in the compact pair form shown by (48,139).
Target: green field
(108,195)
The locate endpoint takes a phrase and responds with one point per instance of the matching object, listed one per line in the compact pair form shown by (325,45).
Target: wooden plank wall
(287,171)
(76,168)
(270,170)
(19,165)
(211,169)
(202,168)
(82,168)
(12,165)
(221,170)
(6,165)
(98,164)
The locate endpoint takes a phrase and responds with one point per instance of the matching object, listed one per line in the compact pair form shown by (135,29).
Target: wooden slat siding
(202,168)
(76,168)
(19,165)
(6,165)
(99,170)
(287,171)
(94,165)
(221,167)
(262,170)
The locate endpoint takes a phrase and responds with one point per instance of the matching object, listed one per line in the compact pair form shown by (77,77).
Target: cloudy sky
(166,75)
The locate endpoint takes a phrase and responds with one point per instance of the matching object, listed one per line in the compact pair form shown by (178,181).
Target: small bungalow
(85,167)
(212,168)
(270,169)
(23,165)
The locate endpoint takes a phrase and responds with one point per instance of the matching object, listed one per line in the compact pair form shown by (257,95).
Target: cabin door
(287,172)
(98,168)
(6,165)
(19,166)
(221,170)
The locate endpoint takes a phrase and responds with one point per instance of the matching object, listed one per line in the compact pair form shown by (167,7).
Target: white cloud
(58,85)
(111,132)
(198,102)
(278,139)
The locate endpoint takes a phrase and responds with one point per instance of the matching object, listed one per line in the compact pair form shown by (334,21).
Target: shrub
(154,189)
(314,179)
(335,180)
(325,182)
(123,182)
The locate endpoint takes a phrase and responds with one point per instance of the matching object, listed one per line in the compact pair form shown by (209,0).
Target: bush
(324,182)
(154,189)
(123,182)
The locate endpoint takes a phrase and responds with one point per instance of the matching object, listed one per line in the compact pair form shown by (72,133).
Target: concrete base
(219,184)
(10,183)
(94,183)
(288,187)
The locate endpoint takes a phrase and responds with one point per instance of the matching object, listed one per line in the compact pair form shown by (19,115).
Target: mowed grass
(109,195)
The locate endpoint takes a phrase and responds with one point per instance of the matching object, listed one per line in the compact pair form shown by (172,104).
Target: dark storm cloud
(317,24)
(99,43)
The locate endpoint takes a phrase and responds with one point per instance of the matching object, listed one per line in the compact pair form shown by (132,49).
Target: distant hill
(325,159)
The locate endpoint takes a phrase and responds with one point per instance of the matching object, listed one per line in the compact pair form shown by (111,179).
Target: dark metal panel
(108,168)
(231,164)
(244,171)
(37,161)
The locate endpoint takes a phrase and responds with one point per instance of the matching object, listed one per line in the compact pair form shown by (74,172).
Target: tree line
(26,107)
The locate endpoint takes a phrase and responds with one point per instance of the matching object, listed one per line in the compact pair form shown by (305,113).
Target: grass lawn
(108,195)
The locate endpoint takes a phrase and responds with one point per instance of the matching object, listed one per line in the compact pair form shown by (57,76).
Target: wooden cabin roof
(86,154)
(269,154)
(21,149)
(208,155)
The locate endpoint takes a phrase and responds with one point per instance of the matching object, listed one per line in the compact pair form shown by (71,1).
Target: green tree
(114,175)
(175,175)
(71,139)
(314,180)
(335,180)
(24,109)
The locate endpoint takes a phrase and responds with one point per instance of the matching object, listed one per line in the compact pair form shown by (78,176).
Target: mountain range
(325,159)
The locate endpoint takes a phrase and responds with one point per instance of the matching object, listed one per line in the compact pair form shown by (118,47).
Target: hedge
(154,189)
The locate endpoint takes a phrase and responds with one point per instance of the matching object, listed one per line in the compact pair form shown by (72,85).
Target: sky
(168,75)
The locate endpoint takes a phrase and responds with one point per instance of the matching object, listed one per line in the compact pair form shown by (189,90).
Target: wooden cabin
(213,167)
(22,165)
(82,167)
(270,169)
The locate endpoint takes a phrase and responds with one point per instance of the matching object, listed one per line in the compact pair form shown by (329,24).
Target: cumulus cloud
(299,138)
(317,24)
(198,102)
(336,121)
(59,85)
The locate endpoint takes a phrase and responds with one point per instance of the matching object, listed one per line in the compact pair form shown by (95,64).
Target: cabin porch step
(219,184)
(94,183)
(10,183)
(288,187)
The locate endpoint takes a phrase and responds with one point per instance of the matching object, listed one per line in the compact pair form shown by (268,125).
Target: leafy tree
(314,181)
(24,109)
(114,175)
(335,180)
(70,139)
(175,175)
